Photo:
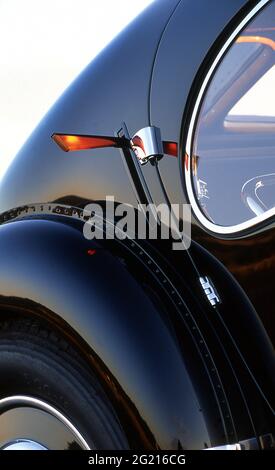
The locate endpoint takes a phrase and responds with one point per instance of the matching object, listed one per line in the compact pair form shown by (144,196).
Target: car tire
(49,397)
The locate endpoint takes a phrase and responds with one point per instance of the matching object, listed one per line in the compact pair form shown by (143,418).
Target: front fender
(47,266)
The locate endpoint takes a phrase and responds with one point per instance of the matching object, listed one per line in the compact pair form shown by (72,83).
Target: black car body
(179,371)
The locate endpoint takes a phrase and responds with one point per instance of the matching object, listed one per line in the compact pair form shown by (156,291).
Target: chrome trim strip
(247,444)
(219,229)
(21,400)
(226,447)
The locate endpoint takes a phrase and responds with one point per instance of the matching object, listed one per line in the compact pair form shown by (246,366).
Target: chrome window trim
(219,229)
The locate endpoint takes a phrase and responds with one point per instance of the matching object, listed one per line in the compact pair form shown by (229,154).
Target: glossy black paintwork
(251,259)
(151,357)
(46,264)
(113,88)
(154,352)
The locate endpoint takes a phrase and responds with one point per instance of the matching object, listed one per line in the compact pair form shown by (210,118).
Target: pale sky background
(260,99)
(44,45)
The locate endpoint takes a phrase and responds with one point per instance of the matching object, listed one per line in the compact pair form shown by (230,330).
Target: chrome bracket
(147,144)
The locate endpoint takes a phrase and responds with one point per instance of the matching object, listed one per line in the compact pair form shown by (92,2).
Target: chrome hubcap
(23,444)
(28,423)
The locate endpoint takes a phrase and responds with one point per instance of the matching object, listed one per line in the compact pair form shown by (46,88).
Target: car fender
(49,268)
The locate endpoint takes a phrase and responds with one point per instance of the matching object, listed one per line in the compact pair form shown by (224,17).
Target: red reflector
(170,148)
(186,161)
(72,142)
(91,252)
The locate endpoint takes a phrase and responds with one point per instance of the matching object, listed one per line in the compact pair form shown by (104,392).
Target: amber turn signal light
(71,142)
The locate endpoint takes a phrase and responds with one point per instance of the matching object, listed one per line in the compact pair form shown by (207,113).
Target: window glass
(233,148)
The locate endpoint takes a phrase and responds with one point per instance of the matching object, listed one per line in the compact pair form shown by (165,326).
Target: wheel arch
(50,272)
